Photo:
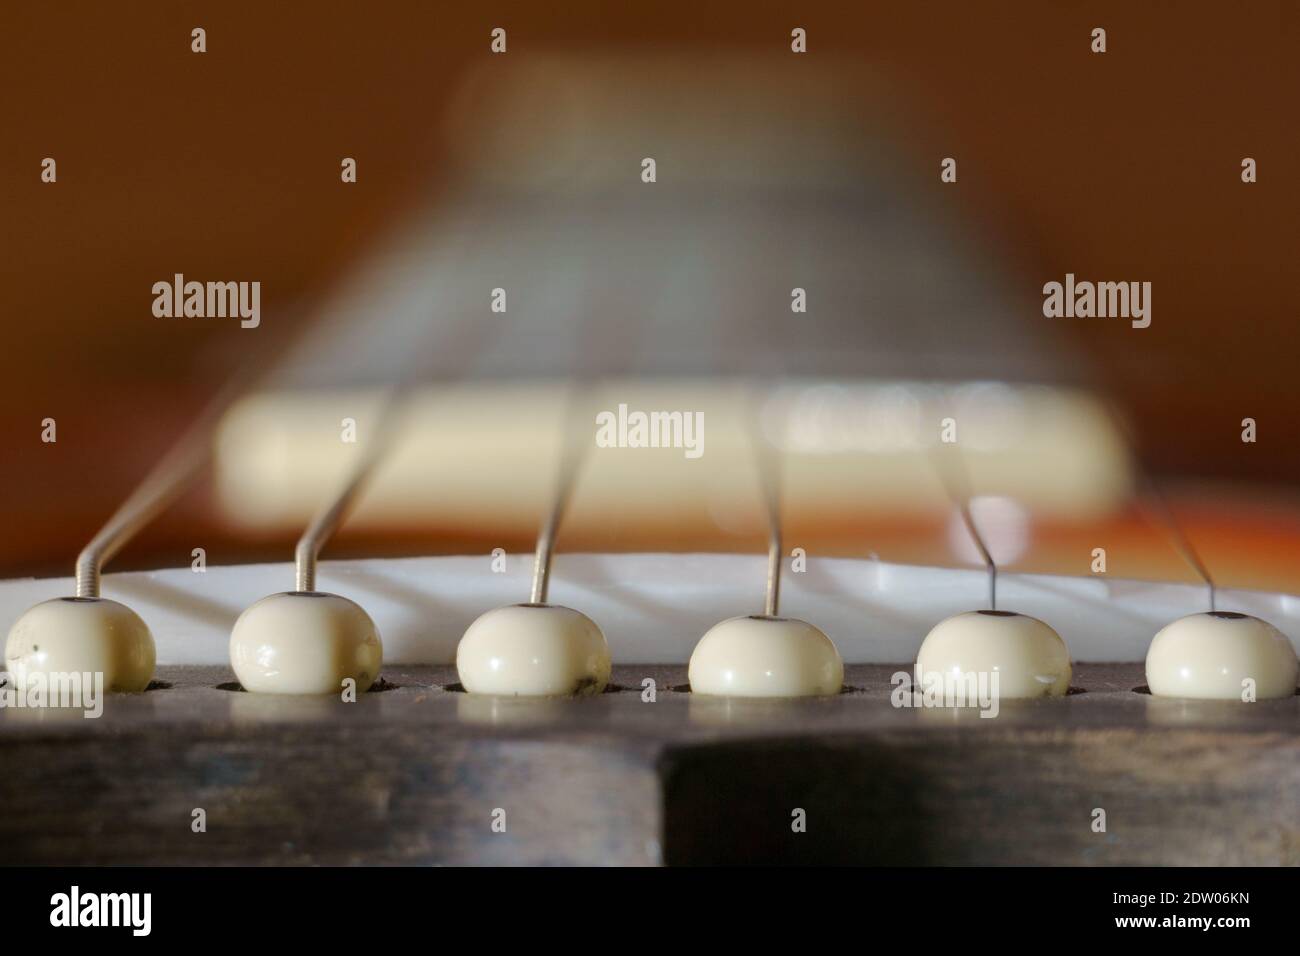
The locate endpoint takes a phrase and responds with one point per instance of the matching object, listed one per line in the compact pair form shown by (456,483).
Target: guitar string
(762,373)
(390,414)
(1151,500)
(467,339)
(573,450)
(591,351)
(956,481)
(597,333)
(769,471)
(179,465)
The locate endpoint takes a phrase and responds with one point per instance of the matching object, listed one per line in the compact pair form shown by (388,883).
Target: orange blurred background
(1119,166)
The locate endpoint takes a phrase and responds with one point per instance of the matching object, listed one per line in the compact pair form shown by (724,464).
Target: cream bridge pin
(766,655)
(306,641)
(538,649)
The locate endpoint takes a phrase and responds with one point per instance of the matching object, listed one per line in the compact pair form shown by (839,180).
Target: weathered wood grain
(413,774)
